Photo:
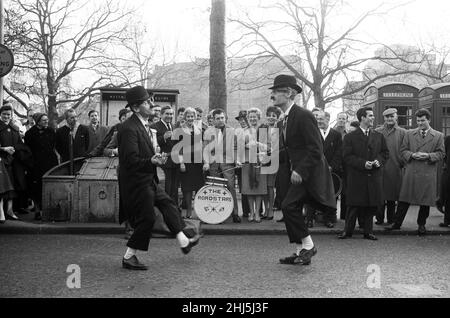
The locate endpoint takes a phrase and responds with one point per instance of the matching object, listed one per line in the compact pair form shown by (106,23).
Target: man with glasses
(303,170)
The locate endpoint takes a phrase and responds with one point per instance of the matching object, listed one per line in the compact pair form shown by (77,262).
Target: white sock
(130,253)
(299,248)
(182,239)
(307,243)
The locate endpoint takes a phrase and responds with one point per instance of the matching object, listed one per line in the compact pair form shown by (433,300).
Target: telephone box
(436,98)
(113,100)
(403,97)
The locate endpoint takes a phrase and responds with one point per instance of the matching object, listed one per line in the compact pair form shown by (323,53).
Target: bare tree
(329,57)
(56,43)
(218,75)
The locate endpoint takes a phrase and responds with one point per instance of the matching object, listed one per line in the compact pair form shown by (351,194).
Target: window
(405,114)
(446,120)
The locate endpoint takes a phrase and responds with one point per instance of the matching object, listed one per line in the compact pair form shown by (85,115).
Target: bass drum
(337,182)
(213,204)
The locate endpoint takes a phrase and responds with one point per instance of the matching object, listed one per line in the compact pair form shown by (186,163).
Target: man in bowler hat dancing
(306,177)
(139,191)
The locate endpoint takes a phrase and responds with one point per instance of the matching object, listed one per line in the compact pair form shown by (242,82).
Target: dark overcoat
(332,147)
(80,144)
(364,187)
(302,151)
(18,163)
(137,174)
(42,145)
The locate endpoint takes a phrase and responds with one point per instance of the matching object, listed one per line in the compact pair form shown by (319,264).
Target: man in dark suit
(302,160)
(139,191)
(332,147)
(164,129)
(72,138)
(365,152)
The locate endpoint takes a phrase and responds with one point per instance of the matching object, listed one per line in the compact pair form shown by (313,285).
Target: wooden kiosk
(113,100)
(403,97)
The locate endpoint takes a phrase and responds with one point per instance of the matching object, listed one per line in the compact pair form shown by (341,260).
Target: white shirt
(325,133)
(364,130)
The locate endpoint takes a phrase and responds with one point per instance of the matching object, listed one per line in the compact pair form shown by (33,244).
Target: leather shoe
(291,260)
(329,225)
(444,224)
(236,219)
(310,224)
(133,264)
(370,237)
(280,220)
(192,242)
(344,236)
(305,255)
(422,230)
(379,222)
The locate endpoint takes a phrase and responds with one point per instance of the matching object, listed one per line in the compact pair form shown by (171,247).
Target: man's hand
(296,179)
(420,156)
(206,167)
(376,164)
(369,165)
(157,159)
(182,167)
(9,150)
(168,135)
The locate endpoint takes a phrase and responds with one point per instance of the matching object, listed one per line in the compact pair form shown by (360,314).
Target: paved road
(226,266)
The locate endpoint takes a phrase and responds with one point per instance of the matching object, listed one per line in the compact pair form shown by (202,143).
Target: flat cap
(390,111)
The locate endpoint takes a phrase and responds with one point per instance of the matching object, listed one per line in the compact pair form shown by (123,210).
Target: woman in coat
(41,140)
(254,184)
(191,166)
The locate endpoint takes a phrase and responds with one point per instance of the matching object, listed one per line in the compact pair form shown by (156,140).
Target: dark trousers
(343,207)
(292,208)
(402,210)
(144,222)
(447,212)
(366,213)
(171,183)
(389,208)
(244,198)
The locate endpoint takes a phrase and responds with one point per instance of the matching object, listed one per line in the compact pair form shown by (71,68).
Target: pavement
(221,266)
(28,226)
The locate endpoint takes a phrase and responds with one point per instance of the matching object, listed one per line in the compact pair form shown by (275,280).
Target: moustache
(272,98)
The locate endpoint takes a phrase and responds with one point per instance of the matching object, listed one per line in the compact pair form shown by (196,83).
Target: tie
(285,120)
(149,132)
(424,134)
(367,132)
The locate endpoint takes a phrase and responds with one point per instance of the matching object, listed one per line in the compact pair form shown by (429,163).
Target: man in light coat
(422,149)
(392,171)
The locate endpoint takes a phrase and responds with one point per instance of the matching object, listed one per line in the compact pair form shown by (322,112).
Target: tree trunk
(217,77)
(51,103)
(318,99)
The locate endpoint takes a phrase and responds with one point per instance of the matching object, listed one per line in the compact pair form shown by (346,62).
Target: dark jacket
(18,163)
(42,145)
(99,150)
(80,144)
(332,147)
(165,145)
(303,153)
(364,187)
(137,174)
(96,136)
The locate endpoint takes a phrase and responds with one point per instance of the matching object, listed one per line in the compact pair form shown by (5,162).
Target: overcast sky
(186,22)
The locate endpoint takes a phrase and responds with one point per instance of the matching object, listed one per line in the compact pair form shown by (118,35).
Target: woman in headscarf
(41,140)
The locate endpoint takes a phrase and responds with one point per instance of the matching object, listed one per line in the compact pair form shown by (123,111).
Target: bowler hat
(135,95)
(390,111)
(242,114)
(286,81)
